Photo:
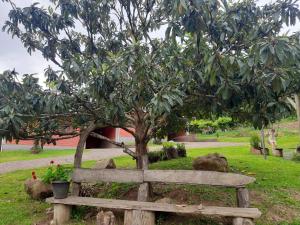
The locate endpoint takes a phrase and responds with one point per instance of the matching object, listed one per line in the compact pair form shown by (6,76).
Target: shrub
(224,123)
(36,149)
(168,144)
(181,150)
(203,126)
(255,141)
(296,157)
(156,156)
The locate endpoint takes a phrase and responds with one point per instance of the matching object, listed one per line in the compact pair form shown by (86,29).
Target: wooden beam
(162,176)
(107,175)
(197,177)
(159,207)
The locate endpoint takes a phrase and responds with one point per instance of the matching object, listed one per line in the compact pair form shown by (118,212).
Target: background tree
(225,56)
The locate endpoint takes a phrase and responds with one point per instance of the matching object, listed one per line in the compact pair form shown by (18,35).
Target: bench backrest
(161,176)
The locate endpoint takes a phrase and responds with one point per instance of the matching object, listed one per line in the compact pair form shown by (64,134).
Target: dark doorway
(93,142)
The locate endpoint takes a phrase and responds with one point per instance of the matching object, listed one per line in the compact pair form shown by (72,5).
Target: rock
(165,200)
(105,164)
(38,190)
(211,162)
(105,218)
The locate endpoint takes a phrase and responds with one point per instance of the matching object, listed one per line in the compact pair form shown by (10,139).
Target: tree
(224,56)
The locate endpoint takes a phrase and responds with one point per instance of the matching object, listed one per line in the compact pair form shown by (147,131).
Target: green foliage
(169,149)
(56,173)
(156,156)
(224,123)
(209,126)
(296,157)
(181,150)
(36,149)
(168,144)
(255,141)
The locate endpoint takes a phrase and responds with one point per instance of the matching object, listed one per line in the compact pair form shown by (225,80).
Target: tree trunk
(263,142)
(78,155)
(141,154)
(297,101)
(0,144)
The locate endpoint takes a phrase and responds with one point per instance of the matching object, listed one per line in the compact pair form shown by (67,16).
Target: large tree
(215,54)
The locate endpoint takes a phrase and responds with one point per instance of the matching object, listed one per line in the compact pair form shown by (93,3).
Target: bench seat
(252,213)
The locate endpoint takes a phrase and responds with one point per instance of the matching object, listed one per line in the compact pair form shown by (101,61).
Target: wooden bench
(142,212)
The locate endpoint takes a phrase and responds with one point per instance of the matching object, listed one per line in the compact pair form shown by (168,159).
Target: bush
(36,149)
(157,156)
(255,141)
(224,123)
(181,150)
(203,126)
(296,157)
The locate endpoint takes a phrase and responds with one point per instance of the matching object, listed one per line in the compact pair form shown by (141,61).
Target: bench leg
(62,214)
(242,195)
(242,221)
(138,217)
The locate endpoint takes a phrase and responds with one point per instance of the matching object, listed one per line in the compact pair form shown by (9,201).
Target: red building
(116,134)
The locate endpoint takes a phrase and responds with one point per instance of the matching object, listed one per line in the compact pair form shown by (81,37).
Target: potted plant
(59,177)
(255,145)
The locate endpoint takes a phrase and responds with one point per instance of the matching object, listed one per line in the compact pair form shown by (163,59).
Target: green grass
(16,155)
(276,180)
(276,191)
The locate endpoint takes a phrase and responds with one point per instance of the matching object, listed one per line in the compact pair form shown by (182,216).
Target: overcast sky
(14,55)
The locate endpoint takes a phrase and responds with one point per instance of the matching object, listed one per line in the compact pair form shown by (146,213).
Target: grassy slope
(278,181)
(8,156)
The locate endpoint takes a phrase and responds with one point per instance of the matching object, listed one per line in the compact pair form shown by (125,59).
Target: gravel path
(94,154)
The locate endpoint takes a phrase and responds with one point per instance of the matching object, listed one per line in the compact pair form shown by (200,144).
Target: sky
(14,56)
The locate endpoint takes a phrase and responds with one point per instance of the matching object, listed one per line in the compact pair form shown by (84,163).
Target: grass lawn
(8,156)
(276,192)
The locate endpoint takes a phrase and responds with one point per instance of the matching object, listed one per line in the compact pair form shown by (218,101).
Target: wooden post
(242,221)
(138,217)
(143,193)
(263,142)
(242,195)
(145,188)
(62,214)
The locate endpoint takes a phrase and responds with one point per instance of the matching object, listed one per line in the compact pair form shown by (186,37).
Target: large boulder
(211,162)
(37,189)
(105,164)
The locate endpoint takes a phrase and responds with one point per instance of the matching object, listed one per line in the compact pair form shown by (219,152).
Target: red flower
(33,175)
(51,162)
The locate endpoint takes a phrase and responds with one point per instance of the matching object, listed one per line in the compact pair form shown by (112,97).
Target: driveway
(95,154)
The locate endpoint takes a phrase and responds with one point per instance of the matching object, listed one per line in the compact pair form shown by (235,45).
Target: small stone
(105,164)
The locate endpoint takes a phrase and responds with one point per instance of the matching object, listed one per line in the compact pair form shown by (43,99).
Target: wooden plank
(107,175)
(197,177)
(164,176)
(159,207)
